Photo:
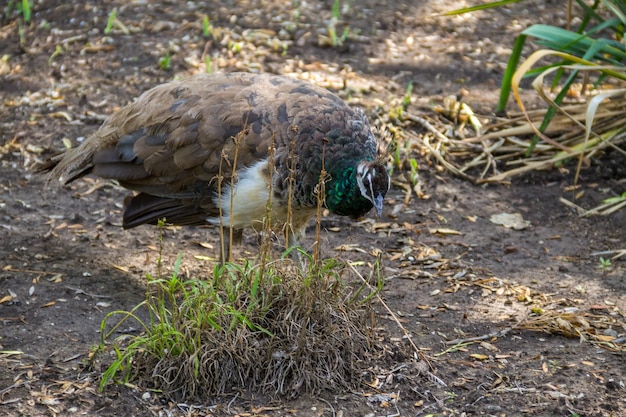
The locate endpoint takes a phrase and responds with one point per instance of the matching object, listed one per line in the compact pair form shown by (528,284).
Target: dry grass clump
(273,329)
(580,73)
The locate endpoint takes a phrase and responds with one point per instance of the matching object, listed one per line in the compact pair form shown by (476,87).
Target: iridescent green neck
(343,196)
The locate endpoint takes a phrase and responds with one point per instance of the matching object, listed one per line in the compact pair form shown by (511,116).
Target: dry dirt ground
(66,262)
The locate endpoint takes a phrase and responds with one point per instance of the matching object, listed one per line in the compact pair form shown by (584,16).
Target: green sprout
(397,161)
(615,200)
(110,22)
(165,63)
(235,47)
(406,101)
(605,264)
(332,32)
(207,28)
(26,10)
(331,28)
(344,34)
(21,33)
(58,51)
(414,175)
(335,10)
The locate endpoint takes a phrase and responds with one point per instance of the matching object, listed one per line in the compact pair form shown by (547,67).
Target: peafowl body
(215,149)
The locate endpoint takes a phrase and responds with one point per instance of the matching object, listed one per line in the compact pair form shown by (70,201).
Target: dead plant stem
(417,350)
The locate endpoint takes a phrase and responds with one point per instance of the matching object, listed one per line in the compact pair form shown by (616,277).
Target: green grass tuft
(270,327)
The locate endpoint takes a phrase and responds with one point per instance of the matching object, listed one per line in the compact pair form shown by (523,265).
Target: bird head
(374,182)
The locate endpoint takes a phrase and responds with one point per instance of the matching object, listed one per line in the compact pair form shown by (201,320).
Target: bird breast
(247,203)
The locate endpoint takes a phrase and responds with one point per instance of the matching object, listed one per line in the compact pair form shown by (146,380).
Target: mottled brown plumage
(182,142)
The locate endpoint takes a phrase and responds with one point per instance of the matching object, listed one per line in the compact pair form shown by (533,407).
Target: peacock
(231,150)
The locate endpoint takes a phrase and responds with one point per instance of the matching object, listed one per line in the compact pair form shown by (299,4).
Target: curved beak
(378,204)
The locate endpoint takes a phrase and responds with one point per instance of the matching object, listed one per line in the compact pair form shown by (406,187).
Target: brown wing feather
(149,209)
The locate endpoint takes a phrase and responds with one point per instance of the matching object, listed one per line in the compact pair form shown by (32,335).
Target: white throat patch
(365,178)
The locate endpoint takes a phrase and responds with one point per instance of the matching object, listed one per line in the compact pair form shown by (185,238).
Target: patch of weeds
(397,111)
(269,327)
(400,147)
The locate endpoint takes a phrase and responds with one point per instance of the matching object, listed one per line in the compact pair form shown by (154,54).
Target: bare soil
(452,276)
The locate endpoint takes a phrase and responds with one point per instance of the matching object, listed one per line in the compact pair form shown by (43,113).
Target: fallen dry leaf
(513,221)
(479,356)
(120,268)
(383,226)
(489,346)
(61,226)
(353,247)
(56,278)
(444,231)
